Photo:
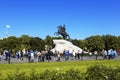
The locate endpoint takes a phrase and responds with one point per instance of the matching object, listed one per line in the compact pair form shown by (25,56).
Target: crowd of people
(110,54)
(46,55)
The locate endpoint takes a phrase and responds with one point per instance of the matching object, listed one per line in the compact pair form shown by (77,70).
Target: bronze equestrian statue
(62,31)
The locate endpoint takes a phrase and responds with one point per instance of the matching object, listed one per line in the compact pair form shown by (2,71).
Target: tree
(1,45)
(76,42)
(37,44)
(95,43)
(118,43)
(25,42)
(49,42)
(82,44)
(10,43)
(111,42)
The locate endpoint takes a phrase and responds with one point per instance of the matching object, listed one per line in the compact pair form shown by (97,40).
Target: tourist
(103,53)
(96,54)
(5,54)
(118,52)
(32,55)
(21,52)
(43,55)
(9,56)
(90,54)
(106,54)
(82,55)
(39,56)
(78,54)
(109,53)
(74,54)
(48,55)
(58,55)
(29,55)
(67,55)
(114,53)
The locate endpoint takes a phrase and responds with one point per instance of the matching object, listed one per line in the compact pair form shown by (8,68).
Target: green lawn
(63,66)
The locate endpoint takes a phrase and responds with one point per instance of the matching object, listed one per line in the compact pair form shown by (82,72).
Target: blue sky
(38,18)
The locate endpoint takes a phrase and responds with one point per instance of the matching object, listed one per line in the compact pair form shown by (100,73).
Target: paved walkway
(53,59)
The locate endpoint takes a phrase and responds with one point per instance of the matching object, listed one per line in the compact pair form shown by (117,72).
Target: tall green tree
(118,43)
(10,43)
(82,44)
(37,44)
(25,41)
(95,43)
(111,42)
(49,42)
(76,42)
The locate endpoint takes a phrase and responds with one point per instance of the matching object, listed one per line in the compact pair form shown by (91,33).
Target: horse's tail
(68,37)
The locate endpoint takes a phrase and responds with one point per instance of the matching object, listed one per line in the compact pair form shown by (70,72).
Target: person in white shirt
(74,54)
(96,54)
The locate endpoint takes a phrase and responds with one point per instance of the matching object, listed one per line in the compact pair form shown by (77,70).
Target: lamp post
(9,52)
(7,27)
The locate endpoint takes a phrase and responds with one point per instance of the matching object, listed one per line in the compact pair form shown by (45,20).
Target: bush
(46,75)
(16,76)
(96,72)
(73,75)
(57,75)
(49,75)
(100,72)
(114,74)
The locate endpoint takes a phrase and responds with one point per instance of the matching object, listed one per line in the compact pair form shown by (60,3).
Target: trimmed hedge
(96,72)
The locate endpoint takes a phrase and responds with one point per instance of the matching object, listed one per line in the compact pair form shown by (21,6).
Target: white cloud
(7,26)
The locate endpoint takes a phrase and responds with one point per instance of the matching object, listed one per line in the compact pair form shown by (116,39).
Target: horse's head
(59,28)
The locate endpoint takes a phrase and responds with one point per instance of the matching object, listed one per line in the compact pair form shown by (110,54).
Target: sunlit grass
(63,66)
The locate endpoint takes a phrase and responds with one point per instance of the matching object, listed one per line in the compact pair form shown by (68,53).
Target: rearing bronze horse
(62,31)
